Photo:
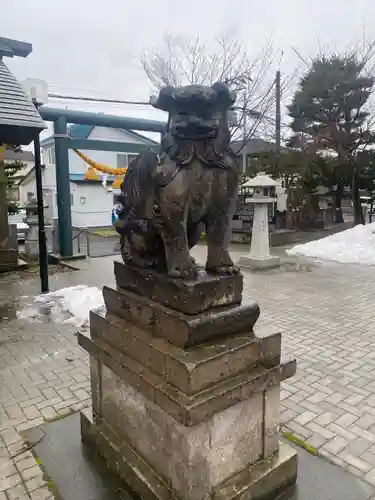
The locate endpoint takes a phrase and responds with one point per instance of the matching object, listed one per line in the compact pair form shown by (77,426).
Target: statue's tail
(137,186)
(138,182)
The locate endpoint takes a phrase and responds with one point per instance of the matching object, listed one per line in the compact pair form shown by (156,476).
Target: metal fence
(92,244)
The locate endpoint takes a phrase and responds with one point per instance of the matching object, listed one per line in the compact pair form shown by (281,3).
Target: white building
(91,202)
(24,157)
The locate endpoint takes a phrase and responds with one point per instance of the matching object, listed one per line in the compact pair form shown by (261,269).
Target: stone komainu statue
(166,200)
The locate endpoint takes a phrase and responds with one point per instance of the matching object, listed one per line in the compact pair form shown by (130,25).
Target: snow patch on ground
(68,305)
(353,246)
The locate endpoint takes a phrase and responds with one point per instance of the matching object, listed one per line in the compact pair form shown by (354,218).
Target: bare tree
(180,61)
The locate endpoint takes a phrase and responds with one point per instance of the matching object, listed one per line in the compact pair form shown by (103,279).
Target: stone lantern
(264,193)
(32,234)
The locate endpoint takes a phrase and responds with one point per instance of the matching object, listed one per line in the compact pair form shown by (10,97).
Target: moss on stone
(300,442)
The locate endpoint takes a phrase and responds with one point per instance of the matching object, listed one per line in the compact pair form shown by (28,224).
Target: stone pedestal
(259,257)
(32,234)
(8,259)
(8,255)
(13,237)
(259,263)
(55,236)
(185,396)
(32,242)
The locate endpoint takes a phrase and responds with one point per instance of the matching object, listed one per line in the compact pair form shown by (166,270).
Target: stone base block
(32,249)
(207,292)
(264,480)
(190,371)
(8,260)
(260,481)
(180,329)
(185,398)
(193,443)
(119,373)
(13,237)
(257,263)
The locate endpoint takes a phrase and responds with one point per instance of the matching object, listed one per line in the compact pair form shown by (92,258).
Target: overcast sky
(95,46)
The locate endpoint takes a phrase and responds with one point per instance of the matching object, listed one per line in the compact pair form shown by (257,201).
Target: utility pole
(278,121)
(244,132)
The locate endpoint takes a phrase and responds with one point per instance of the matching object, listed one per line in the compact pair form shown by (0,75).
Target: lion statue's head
(195,111)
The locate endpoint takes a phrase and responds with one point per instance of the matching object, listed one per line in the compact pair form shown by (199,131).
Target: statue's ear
(225,96)
(165,99)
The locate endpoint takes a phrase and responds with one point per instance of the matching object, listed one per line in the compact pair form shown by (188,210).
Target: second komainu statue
(167,200)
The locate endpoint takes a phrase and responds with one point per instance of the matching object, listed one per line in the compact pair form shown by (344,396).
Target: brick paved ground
(328,323)
(327,317)
(43,375)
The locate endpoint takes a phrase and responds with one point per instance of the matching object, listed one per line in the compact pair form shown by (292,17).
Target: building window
(49,155)
(121,161)
(30,196)
(125,159)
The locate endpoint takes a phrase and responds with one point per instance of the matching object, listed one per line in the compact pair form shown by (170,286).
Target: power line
(66,88)
(97,99)
(78,90)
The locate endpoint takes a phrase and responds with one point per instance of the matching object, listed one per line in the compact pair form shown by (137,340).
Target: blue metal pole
(63,187)
(101,120)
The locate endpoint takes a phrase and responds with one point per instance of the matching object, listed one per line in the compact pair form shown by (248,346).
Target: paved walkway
(327,318)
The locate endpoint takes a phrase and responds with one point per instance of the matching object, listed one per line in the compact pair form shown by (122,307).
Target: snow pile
(353,246)
(67,305)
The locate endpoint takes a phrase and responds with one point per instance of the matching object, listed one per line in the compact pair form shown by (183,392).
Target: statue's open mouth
(194,131)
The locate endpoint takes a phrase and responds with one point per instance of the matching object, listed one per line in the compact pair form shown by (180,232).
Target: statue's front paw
(223,269)
(185,270)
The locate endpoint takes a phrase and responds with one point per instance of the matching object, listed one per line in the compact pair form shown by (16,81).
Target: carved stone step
(288,366)
(189,410)
(188,370)
(190,297)
(181,329)
(194,480)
